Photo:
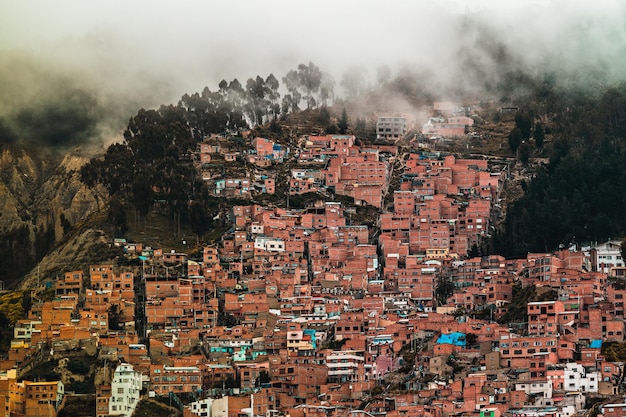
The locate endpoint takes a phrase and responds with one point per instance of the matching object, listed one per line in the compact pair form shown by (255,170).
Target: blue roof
(456,338)
(596,344)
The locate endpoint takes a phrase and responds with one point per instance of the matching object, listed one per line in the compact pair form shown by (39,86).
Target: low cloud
(73,72)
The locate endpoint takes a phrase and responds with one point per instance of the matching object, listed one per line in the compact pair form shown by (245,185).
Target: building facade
(125,390)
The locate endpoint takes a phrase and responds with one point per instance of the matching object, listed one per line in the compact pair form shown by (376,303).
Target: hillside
(42,201)
(54,203)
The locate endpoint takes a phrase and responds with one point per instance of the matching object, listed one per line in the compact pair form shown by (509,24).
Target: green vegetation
(45,371)
(78,406)
(444,290)
(517,311)
(80,387)
(151,408)
(580,196)
(13,306)
(16,253)
(81,364)
(614,351)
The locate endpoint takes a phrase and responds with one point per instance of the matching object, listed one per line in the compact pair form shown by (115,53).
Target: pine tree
(343,122)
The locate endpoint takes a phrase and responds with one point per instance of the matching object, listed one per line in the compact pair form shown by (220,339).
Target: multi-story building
(614,409)
(125,390)
(176,379)
(391,127)
(606,256)
(345,366)
(35,399)
(71,283)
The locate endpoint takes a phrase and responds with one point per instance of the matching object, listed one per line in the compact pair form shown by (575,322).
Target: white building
(201,408)
(24,329)
(269,244)
(346,366)
(576,378)
(537,388)
(606,256)
(125,390)
(210,407)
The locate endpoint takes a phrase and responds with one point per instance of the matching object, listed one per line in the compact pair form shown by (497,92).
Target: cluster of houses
(295,314)
(217,153)
(300,312)
(290,316)
(443,205)
(29,398)
(360,172)
(447,127)
(448,121)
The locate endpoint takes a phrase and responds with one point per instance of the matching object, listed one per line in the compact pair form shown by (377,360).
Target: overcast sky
(155,51)
(196,43)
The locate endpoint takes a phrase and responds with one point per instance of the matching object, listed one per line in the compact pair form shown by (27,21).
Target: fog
(81,69)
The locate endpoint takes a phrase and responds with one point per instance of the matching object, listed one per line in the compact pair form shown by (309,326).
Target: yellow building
(35,399)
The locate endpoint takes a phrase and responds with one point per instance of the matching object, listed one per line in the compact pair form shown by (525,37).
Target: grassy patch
(43,372)
(151,408)
(78,406)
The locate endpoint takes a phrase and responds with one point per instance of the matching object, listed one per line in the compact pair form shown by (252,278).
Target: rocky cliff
(42,204)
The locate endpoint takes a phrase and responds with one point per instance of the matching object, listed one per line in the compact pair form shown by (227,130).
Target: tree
(291,101)
(324,116)
(199,218)
(622,249)
(142,195)
(539,136)
(524,153)
(27,302)
(117,217)
(327,89)
(515,139)
(360,125)
(257,105)
(523,121)
(310,79)
(343,122)
(116,317)
(444,290)
(470,339)
(264,378)
(273,95)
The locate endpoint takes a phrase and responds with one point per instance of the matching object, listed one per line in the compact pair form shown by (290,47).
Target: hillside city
(310,312)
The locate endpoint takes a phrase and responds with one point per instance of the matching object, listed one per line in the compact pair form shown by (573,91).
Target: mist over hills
(72,72)
(75,74)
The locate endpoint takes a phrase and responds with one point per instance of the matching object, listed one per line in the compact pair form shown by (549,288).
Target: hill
(146,188)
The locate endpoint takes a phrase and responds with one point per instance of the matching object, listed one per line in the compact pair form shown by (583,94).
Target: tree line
(152,165)
(580,195)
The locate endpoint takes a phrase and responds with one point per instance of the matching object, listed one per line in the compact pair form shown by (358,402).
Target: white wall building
(210,407)
(24,329)
(269,244)
(540,388)
(576,378)
(125,390)
(345,366)
(201,408)
(606,256)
